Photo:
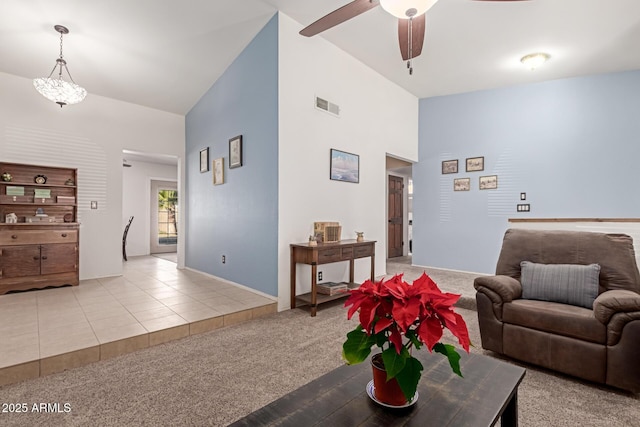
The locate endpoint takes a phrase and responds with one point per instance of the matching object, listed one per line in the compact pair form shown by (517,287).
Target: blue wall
(238,219)
(572,145)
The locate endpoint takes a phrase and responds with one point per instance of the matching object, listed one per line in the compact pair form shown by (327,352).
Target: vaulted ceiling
(165,54)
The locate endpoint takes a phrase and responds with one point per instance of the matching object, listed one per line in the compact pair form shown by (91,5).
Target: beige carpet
(218,377)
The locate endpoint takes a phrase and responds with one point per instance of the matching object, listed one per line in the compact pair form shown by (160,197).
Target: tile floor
(47,331)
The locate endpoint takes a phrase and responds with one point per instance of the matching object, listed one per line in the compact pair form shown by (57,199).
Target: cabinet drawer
(329,255)
(362,251)
(26,237)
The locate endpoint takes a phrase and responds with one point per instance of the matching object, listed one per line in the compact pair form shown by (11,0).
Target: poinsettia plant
(396,317)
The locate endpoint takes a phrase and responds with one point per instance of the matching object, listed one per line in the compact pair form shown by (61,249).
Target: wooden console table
(325,253)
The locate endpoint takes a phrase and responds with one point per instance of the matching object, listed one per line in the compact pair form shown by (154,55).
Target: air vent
(326,106)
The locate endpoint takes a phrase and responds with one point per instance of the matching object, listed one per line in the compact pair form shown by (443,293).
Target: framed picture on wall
(489,182)
(204,160)
(344,166)
(450,166)
(475,164)
(235,152)
(462,184)
(218,171)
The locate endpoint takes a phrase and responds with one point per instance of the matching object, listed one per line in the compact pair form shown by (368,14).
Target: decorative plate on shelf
(67,217)
(40,179)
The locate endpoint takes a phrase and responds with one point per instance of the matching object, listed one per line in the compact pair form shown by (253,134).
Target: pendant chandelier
(57,89)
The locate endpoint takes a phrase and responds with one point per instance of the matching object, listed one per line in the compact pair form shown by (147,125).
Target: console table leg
(509,417)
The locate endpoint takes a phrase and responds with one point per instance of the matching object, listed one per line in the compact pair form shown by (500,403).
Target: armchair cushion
(564,283)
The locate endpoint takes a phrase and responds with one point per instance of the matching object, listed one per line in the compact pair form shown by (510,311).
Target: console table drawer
(362,251)
(329,255)
(347,254)
(27,237)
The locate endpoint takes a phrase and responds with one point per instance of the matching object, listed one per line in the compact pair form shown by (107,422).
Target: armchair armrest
(609,303)
(507,288)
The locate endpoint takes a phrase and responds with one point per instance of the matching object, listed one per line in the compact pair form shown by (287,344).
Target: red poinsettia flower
(397,316)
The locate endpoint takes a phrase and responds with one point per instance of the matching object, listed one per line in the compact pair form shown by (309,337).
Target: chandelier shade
(57,89)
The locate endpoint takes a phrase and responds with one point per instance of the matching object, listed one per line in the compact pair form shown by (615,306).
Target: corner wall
(377,118)
(571,145)
(238,219)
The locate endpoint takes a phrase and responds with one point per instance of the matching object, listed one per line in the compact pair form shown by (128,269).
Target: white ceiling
(165,54)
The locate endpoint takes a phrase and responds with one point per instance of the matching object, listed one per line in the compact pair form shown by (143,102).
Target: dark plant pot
(388,392)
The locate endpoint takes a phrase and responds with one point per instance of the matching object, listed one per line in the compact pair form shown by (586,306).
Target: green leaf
(357,346)
(450,352)
(409,377)
(394,362)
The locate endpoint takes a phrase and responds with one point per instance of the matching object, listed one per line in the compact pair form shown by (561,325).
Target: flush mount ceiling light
(56,89)
(534,60)
(404,9)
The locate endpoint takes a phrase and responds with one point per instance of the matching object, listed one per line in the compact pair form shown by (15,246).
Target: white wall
(90,137)
(136,195)
(378,117)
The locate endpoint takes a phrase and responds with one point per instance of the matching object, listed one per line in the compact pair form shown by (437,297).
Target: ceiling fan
(411,21)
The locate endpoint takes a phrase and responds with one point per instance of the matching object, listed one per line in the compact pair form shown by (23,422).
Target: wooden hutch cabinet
(39,232)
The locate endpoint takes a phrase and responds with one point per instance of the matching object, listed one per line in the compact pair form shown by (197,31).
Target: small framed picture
(344,166)
(218,171)
(204,160)
(235,152)
(450,166)
(475,164)
(462,184)
(489,182)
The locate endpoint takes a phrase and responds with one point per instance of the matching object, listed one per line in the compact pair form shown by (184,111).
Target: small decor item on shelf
(69,182)
(332,288)
(359,236)
(40,179)
(312,241)
(398,317)
(40,212)
(15,191)
(11,218)
(6,177)
(67,217)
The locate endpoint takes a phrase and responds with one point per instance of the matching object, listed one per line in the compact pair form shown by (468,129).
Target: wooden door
(394,234)
(60,258)
(19,261)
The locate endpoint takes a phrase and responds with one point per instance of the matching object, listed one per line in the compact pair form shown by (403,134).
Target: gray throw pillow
(566,283)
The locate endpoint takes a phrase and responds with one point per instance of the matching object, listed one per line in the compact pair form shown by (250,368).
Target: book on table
(332,288)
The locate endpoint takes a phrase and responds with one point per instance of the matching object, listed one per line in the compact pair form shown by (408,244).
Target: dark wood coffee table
(487,392)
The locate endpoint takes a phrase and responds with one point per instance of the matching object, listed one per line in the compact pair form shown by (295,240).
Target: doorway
(164,217)
(396,215)
(399,207)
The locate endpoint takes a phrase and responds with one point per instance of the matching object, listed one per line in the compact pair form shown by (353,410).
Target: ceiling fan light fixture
(57,89)
(534,60)
(405,9)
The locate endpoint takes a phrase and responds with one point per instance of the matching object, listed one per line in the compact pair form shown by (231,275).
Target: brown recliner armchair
(600,343)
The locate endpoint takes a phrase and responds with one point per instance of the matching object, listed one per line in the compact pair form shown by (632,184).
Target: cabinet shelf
(33,184)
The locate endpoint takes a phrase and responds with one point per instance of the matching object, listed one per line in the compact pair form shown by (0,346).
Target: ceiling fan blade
(417,36)
(339,16)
